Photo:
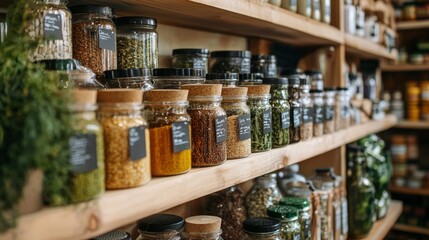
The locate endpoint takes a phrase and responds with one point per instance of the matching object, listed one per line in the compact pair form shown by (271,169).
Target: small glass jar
(160,227)
(319,107)
(137,42)
(369,86)
(306,127)
(342,109)
(202,227)
(226,79)
(260,117)
(238,140)
(114,235)
(265,64)
(3,26)
(230,61)
(94,38)
(129,78)
(250,79)
(288,216)
(209,124)
(304,7)
(173,78)
(287,175)
(295,108)
(304,214)
(316,10)
(263,194)
(329,111)
(325,11)
(169,128)
(52,24)
(349,17)
(261,229)
(316,79)
(126,138)
(191,58)
(280,110)
(291,5)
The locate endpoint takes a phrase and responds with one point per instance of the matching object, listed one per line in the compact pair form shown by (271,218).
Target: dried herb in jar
(230,61)
(295,109)
(263,194)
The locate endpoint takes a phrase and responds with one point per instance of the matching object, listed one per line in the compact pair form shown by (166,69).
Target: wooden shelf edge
(404,67)
(410,25)
(117,208)
(409,191)
(411,229)
(413,124)
(366,49)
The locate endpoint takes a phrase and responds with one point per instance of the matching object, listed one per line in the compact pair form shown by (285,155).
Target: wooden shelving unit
(409,191)
(366,49)
(410,25)
(411,229)
(413,124)
(405,68)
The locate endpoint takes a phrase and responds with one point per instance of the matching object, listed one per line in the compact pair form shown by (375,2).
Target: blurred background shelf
(411,229)
(405,67)
(410,25)
(409,191)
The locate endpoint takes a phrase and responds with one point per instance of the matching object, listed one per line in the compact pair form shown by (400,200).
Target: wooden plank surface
(366,49)
(411,229)
(409,191)
(410,25)
(405,67)
(413,124)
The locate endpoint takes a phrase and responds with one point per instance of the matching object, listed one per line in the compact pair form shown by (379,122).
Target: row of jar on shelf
(319,10)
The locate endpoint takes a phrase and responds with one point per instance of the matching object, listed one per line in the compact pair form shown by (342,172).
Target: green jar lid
(299,203)
(283,212)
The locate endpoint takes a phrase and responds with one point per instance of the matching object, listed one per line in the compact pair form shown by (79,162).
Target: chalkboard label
(344,111)
(267,121)
(107,39)
(307,115)
(329,113)
(296,117)
(220,127)
(83,153)
(53,26)
(137,143)
(243,127)
(180,136)
(318,114)
(285,119)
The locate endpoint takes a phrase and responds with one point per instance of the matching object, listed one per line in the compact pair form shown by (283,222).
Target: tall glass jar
(261,229)
(288,216)
(329,111)
(263,194)
(265,64)
(94,38)
(226,79)
(160,227)
(137,42)
(202,227)
(129,78)
(239,124)
(306,127)
(304,214)
(191,58)
(319,107)
(209,124)
(169,128)
(52,24)
(126,138)
(316,79)
(342,109)
(173,78)
(250,79)
(230,61)
(295,109)
(114,235)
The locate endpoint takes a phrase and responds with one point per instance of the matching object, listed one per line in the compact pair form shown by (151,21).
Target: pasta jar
(342,109)
(261,117)
(250,79)
(191,58)
(86,148)
(160,227)
(295,108)
(226,79)
(304,214)
(52,24)
(288,216)
(94,38)
(316,79)
(281,110)
(304,7)
(173,78)
(129,78)
(202,227)
(261,229)
(209,124)
(230,61)
(291,5)
(238,122)
(169,128)
(319,118)
(126,138)
(329,111)
(137,42)
(325,10)
(114,235)
(265,64)
(306,127)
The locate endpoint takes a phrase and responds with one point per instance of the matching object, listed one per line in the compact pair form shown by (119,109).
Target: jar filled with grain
(307,115)
(295,108)
(170,131)
(318,106)
(230,61)
(94,38)
(342,109)
(202,227)
(86,148)
(226,79)
(209,124)
(288,216)
(265,64)
(137,42)
(173,78)
(238,117)
(261,229)
(250,79)
(329,111)
(51,24)
(126,138)
(114,235)
(160,227)
(191,58)
(304,214)
(139,78)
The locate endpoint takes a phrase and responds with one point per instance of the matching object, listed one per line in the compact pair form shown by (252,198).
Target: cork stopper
(166,95)
(203,89)
(234,91)
(257,89)
(202,224)
(84,96)
(120,96)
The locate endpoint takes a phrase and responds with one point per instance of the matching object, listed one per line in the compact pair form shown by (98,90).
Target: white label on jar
(83,153)
(107,39)
(53,26)
(318,114)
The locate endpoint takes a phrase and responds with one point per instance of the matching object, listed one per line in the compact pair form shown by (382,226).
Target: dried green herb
(261,134)
(281,116)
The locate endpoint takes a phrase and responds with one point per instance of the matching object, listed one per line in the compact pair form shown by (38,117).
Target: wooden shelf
(117,208)
(405,67)
(411,229)
(409,25)
(409,191)
(366,49)
(413,124)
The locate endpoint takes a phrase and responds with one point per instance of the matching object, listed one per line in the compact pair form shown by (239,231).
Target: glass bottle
(173,78)
(160,227)
(288,216)
(287,175)
(265,64)
(316,10)
(191,58)
(369,86)
(304,214)
(262,229)
(295,108)
(129,78)
(306,127)
(226,79)
(319,118)
(230,61)
(202,227)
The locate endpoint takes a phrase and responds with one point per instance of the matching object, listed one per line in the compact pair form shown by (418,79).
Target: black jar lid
(185,72)
(312,72)
(316,91)
(294,80)
(329,89)
(342,88)
(60,64)
(160,223)
(324,170)
(97,9)
(304,79)
(261,225)
(270,58)
(250,76)
(123,73)
(114,235)
(191,51)
(290,71)
(142,21)
(276,80)
(226,76)
(240,54)
(355,148)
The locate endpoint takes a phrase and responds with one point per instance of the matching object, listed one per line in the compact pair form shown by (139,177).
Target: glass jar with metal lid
(173,78)
(304,214)
(264,193)
(137,42)
(230,61)
(226,79)
(307,115)
(295,108)
(342,109)
(319,108)
(288,216)
(329,112)
(129,78)
(316,79)
(3,26)
(250,78)
(191,58)
(202,227)
(265,64)
(262,229)
(114,235)
(160,227)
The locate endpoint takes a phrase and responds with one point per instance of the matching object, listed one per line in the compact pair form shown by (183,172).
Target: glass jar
(3,26)
(191,58)
(304,214)
(306,127)
(291,5)
(173,78)
(280,110)
(226,79)
(304,7)
(86,148)
(260,117)
(325,11)
(316,10)
(160,227)
(265,64)
(316,79)
(94,38)
(202,227)
(228,204)
(369,86)
(238,120)
(114,235)
(295,108)
(287,175)
(230,61)
(209,124)
(250,79)
(129,78)
(169,129)
(52,24)
(337,206)
(261,229)
(329,111)
(349,17)
(137,42)
(126,138)
(297,188)
(342,109)
(319,118)
(262,195)
(288,216)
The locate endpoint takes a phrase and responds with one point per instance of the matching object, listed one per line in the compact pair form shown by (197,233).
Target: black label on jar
(329,113)
(307,115)
(296,117)
(267,122)
(344,111)
(245,65)
(220,128)
(53,26)
(318,114)
(285,119)
(243,127)
(83,153)
(106,39)
(180,136)
(137,143)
